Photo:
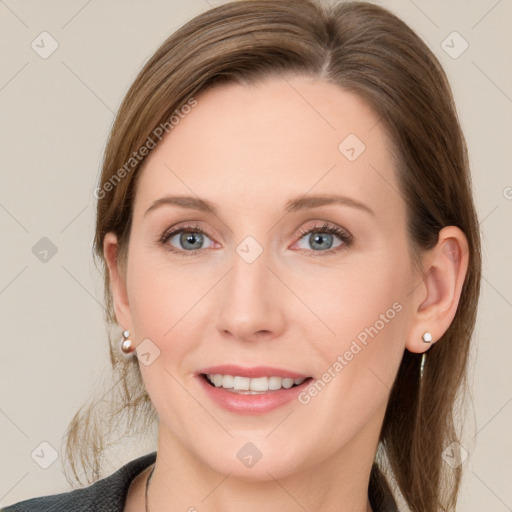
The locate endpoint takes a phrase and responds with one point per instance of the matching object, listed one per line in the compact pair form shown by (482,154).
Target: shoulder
(105,495)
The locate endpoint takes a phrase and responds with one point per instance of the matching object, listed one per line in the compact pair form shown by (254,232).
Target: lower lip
(251,404)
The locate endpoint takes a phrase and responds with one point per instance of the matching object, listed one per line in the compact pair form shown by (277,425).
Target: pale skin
(248,150)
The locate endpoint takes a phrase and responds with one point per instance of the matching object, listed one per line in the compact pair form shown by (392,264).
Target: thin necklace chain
(147,488)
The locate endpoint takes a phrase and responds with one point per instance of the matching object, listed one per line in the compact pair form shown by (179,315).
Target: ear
(117,282)
(436,300)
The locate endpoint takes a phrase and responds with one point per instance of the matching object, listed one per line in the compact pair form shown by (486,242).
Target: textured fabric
(105,495)
(109,494)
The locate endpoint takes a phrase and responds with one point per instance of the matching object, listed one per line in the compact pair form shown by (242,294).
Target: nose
(252,301)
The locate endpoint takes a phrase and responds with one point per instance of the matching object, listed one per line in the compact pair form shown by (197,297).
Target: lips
(253,390)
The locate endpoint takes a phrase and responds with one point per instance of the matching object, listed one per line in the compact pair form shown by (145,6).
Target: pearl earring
(127,346)
(427,338)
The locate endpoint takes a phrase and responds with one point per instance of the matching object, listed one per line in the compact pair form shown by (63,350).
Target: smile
(251,389)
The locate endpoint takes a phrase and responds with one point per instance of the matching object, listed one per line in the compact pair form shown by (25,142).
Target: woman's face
(299,270)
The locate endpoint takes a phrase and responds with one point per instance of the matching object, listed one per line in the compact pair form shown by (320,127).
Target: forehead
(284,137)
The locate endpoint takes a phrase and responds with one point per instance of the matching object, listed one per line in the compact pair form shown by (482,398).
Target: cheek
(363,299)
(162,307)
(167,304)
(366,308)
(161,294)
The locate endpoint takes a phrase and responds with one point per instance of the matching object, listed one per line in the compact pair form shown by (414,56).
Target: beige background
(56,114)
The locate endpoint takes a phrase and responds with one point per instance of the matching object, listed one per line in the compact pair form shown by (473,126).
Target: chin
(255,460)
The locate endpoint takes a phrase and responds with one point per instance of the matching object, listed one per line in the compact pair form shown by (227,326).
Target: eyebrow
(293,205)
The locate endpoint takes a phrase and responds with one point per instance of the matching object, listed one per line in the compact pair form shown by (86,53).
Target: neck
(181,482)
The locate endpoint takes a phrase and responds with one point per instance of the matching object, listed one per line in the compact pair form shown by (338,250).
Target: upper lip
(251,372)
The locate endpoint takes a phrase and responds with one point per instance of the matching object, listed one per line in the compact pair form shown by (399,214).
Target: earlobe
(436,302)
(117,281)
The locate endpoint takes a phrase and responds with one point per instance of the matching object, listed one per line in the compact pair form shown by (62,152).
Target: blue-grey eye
(187,240)
(319,241)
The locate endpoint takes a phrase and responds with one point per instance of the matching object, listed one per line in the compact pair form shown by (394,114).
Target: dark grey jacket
(106,495)
(109,494)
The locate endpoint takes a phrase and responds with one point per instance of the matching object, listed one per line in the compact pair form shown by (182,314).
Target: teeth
(226,381)
(247,385)
(260,384)
(241,383)
(287,383)
(274,383)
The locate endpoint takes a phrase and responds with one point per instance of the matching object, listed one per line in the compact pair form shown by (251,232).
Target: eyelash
(342,234)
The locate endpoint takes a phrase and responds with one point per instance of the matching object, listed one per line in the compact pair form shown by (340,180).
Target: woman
(287,229)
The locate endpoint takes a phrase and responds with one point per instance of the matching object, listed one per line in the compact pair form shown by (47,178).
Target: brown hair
(364,49)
